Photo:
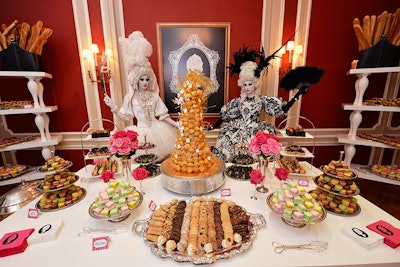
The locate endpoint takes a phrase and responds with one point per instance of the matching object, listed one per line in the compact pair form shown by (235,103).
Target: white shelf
(307,153)
(28,110)
(343,138)
(54,140)
(29,176)
(362,173)
(370,108)
(374,70)
(25,74)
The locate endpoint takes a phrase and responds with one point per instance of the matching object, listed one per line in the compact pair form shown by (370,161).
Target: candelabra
(98,72)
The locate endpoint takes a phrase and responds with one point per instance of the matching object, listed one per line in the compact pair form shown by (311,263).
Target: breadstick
(3,41)
(37,46)
(10,27)
(363,42)
(35,31)
(372,29)
(394,27)
(367,27)
(11,35)
(23,34)
(387,25)
(381,22)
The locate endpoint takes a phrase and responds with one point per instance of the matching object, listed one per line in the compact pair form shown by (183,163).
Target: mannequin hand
(108,101)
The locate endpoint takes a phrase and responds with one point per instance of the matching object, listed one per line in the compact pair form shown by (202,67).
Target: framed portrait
(203,46)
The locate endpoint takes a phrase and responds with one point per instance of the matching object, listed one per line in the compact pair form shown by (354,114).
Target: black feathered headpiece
(246,54)
(301,77)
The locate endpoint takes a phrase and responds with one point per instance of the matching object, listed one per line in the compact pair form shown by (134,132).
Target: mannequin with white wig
(142,100)
(240,117)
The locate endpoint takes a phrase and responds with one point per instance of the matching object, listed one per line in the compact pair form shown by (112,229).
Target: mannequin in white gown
(144,103)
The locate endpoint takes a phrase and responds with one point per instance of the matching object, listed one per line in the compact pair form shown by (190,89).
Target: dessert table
(128,248)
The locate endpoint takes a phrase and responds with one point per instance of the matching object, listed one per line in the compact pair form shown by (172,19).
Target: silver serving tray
(339,177)
(356,212)
(39,169)
(293,222)
(57,209)
(117,218)
(357,192)
(257,221)
(39,187)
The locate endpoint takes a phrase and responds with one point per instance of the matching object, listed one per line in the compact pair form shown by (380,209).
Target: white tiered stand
(42,121)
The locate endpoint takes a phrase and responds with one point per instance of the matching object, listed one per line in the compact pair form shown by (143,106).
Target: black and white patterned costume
(240,122)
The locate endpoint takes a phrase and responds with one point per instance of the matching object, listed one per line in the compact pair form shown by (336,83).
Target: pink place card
(152,206)
(225,192)
(100,243)
(33,213)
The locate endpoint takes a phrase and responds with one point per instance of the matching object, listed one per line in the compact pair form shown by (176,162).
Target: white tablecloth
(129,249)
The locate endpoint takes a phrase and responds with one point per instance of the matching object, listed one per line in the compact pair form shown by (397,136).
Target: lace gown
(157,131)
(240,122)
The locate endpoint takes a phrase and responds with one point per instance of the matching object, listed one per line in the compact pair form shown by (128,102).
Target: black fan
(301,77)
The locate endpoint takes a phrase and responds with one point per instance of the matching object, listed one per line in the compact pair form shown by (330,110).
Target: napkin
(14,242)
(45,232)
(390,233)
(363,236)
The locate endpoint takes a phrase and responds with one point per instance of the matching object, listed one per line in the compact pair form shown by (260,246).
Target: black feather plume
(241,56)
(300,77)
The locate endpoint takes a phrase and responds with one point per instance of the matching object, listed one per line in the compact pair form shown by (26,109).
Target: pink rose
(140,174)
(134,144)
(132,135)
(281,174)
(256,177)
(262,137)
(106,176)
(124,149)
(254,147)
(119,134)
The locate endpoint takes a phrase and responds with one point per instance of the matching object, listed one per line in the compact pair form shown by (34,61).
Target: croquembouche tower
(192,167)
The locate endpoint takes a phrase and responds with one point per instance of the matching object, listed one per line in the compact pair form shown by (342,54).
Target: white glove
(108,101)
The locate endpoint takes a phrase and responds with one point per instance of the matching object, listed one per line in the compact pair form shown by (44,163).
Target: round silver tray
(335,193)
(356,212)
(39,169)
(354,176)
(39,187)
(257,221)
(117,218)
(238,179)
(231,160)
(57,209)
(153,159)
(191,185)
(292,222)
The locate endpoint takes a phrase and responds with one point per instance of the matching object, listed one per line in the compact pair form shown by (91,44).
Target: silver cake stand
(192,185)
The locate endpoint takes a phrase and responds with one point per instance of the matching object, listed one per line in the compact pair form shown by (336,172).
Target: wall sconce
(294,52)
(101,70)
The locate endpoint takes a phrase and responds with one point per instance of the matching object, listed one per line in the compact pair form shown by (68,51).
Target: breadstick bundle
(373,28)
(378,39)
(30,38)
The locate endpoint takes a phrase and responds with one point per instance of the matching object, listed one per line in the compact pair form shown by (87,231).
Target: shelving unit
(351,139)
(42,121)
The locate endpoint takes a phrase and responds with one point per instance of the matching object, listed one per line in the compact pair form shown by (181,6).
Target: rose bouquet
(265,145)
(123,143)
